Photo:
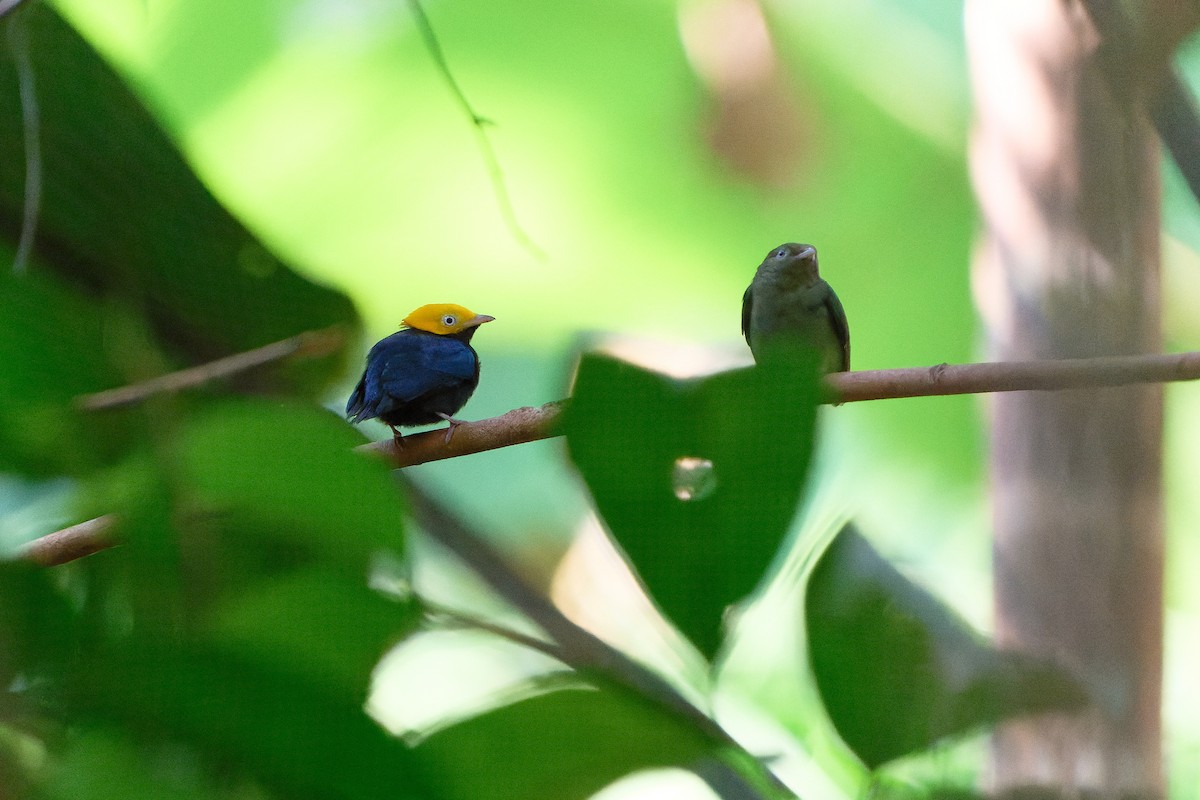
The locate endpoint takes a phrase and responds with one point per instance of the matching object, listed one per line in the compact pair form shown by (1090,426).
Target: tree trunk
(1066,173)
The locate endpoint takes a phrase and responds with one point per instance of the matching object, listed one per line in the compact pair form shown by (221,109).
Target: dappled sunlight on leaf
(565,745)
(441,677)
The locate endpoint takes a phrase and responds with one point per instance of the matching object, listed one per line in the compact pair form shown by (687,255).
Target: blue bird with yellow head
(423,373)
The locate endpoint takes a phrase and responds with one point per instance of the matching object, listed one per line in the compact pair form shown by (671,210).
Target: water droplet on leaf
(693,478)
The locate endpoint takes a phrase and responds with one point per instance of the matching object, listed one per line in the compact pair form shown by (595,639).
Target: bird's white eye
(781,253)
(449,320)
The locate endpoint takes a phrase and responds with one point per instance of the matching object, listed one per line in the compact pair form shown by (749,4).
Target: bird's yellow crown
(444,318)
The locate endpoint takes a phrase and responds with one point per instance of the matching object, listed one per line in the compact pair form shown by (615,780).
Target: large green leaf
(898,670)
(52,348)
(93,764)
(312,623)
(237,621)
(566,745)
(292,470)
(264,722)
(122,215)
(628,427)
(37,625)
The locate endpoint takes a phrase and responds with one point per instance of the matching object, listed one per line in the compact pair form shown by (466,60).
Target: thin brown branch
(72,543)
(1014,376)
(311,344)
(543,422)
(521,425)
(492,162)
(31,124)
(531,424)
(452,618)
(9,6)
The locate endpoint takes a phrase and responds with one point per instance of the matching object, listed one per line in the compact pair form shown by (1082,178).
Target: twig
(9,6)
(72,543)
(461,619)
(725,781)
(31,126)
(531,424)
(480,123)
(312,344)
(518,426)
(1013,376)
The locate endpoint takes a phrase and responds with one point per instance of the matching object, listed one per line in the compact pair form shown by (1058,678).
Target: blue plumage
(418,377)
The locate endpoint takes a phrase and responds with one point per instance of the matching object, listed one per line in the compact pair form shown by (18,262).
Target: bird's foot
(453,423)
(397,437)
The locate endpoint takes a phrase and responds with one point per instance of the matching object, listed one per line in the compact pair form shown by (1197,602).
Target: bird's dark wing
(427,364)
(841,326)
(368,400)
(747,303)
(408,365)
(356,406)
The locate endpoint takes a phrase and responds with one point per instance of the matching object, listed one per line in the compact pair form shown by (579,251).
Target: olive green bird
(787,301)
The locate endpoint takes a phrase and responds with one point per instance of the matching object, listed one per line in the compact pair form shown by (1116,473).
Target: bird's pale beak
(807,252)
(479,319)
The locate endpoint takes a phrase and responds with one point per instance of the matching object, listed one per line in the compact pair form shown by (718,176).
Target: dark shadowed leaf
(37,625)
(627,431)
(244,630)
(292,470)
(51,349)
(94,764)
(329,630)
(566,745)
(122,215)
(898,670)
(269,724)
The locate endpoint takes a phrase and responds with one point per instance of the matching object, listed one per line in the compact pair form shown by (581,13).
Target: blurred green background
(653,168)
(327,128)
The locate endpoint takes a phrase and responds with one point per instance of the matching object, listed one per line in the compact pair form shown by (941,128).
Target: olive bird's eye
(781,253)
(449,320)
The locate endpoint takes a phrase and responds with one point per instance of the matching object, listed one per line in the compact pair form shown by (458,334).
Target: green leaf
(94,763)
(566,745)
(237,622)
(628,427)
(37,625)
(51,349)
(899,670)
(289,734)
(292,470)
(123,216)
(330,631)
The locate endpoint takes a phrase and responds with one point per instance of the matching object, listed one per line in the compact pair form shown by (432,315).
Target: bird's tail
(356,406)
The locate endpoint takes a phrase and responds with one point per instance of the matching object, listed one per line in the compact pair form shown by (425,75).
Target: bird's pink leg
(453,423)
(397,437)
